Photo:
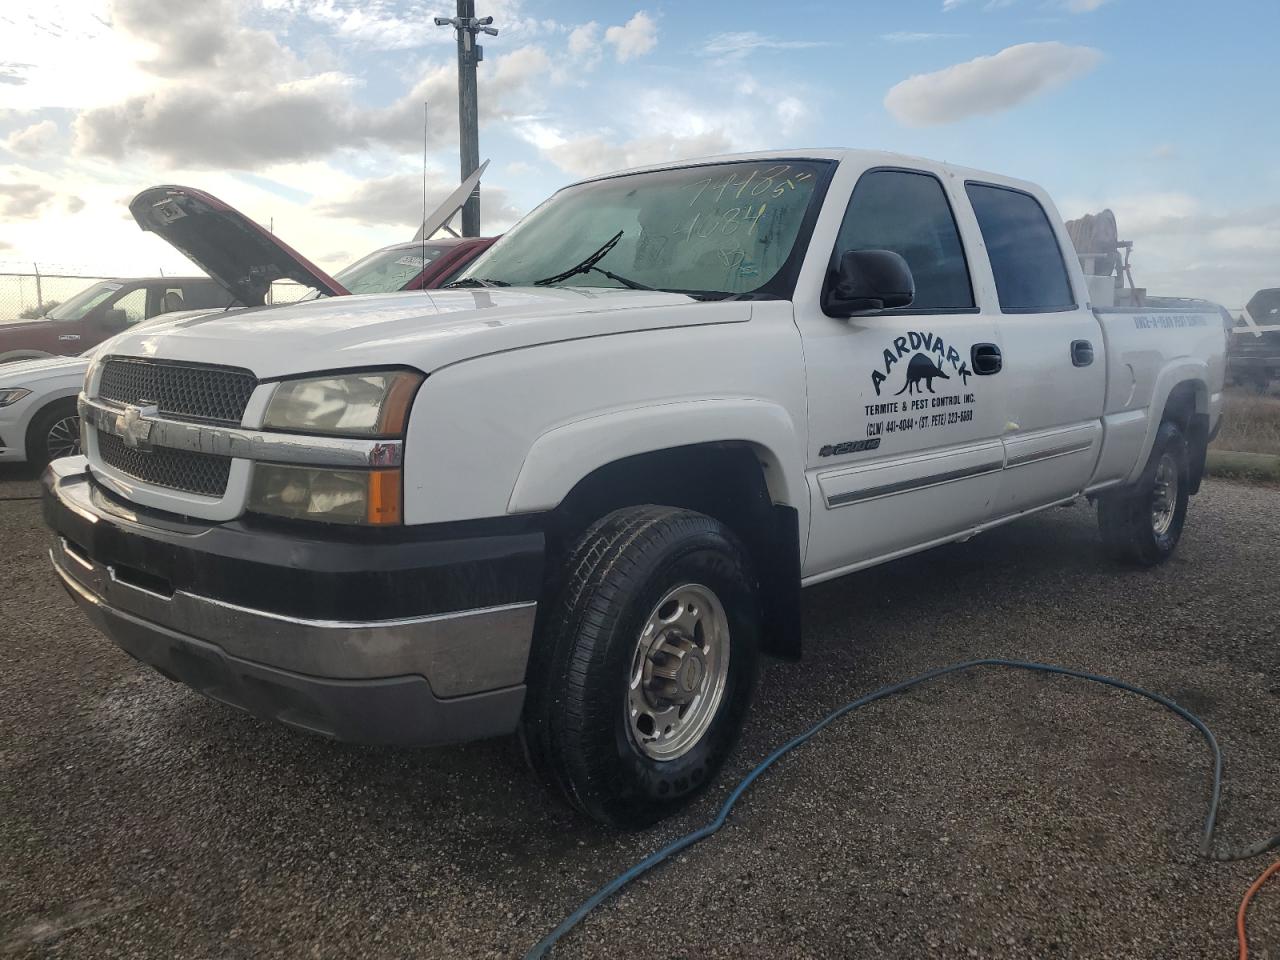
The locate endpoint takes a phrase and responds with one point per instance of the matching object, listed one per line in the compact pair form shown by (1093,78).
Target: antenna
(425,118)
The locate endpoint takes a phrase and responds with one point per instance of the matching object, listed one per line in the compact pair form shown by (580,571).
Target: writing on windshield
(720,228)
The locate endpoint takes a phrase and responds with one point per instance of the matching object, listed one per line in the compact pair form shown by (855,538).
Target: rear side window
(1025,258)
(908,213)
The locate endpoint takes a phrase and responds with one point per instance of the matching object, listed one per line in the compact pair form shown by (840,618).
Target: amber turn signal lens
(384,499)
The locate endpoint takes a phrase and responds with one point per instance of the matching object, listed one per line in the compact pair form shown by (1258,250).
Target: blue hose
(543,947)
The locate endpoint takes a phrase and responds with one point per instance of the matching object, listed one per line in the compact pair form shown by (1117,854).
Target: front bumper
(285,623)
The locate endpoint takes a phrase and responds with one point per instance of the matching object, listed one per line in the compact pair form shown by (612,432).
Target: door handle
(69,336)
(986,359)
(1081,353)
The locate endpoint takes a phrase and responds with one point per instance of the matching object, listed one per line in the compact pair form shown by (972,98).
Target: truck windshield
(386,271)
(712,230)
(76,307)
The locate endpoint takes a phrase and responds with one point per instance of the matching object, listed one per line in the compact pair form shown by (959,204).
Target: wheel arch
(726,480)
(1180,396)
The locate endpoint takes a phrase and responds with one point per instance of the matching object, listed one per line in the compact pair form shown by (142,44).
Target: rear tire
(53,432)
(1142,524)
(645,665)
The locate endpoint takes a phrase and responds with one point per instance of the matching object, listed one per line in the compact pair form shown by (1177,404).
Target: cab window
(1026,261)
(907,212)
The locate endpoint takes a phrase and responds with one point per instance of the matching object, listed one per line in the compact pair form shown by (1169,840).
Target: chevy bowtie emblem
(134,426)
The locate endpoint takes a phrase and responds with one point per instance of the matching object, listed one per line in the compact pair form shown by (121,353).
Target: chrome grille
(185,390)
(199,473)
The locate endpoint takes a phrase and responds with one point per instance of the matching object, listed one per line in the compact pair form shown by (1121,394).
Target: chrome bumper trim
(468,651)
(243,443)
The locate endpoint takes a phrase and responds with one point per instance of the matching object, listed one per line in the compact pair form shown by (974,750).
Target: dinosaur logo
(930,356)
(920,368)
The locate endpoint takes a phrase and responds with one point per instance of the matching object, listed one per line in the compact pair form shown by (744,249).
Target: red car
(102,310)
(246,259)
(242,260)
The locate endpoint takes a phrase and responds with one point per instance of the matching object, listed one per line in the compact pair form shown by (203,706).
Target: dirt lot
(990,815)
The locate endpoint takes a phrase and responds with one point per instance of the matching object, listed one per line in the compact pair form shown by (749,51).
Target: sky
(308,114)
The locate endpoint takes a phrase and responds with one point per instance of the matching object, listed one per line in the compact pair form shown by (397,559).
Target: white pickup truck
(576,495)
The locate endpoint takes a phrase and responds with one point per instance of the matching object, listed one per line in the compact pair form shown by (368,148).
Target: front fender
(562,456)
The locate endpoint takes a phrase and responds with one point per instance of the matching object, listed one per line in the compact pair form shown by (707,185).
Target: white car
(38,419)
(577,495)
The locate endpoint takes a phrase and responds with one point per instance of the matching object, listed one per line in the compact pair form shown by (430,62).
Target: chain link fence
(25,295)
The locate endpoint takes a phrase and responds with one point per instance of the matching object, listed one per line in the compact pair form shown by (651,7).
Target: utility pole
(467,26)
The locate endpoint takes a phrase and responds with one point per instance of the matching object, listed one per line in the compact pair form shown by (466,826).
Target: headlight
(350,405)
(10,395)
(334,496)
(372,404)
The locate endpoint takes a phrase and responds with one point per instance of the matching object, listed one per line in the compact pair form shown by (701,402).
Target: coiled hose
(543,947)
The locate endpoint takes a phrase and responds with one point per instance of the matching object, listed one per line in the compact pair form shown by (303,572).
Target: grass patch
(1250,424)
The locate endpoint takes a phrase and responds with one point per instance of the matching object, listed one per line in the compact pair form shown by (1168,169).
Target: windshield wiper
(589,264)
(475,282)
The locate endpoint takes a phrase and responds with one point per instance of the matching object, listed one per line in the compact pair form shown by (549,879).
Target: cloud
(202,125)
(397,201)
(584,44)
(1163,151)
(73,204)
(633,39)
(988,84)
(591,154)
(23,200)
(13,73)
(33,140)
(735,46)
(1083,6)
(902,36)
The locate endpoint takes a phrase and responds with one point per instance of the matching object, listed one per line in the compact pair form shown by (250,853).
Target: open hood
(226,244)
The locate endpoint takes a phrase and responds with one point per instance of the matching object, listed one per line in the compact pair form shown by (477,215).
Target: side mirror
(868,280)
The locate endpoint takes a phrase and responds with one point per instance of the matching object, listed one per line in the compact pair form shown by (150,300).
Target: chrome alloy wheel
(63,438)
(678,672)
(1164,498)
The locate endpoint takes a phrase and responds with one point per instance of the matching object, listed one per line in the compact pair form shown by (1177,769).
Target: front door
(904,433)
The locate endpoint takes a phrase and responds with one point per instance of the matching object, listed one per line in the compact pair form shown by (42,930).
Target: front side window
(1025,259)
(130,308)
(908,213)
(713,230)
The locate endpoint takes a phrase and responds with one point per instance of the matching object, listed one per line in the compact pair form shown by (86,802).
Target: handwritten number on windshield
(772,182)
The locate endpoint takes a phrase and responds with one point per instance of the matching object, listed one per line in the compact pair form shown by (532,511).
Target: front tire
(1143,523)
(54,432)
(645,666)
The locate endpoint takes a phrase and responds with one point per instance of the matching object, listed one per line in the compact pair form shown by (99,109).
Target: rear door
(904,435)
(1054,367)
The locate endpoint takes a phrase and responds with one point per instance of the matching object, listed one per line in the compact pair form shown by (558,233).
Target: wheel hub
(674,673)
(1164,497)
(678,672)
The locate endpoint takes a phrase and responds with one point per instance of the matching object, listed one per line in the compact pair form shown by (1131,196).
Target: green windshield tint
(720,228)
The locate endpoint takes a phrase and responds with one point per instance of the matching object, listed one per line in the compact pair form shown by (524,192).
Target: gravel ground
(988,815)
